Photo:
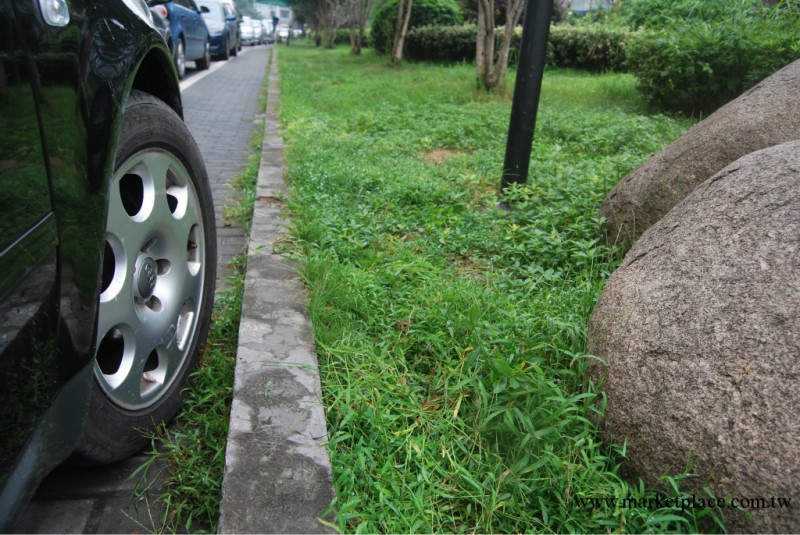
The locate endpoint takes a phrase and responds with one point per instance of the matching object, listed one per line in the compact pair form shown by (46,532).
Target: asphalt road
(221,111)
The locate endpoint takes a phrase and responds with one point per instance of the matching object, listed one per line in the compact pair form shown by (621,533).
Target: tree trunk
(329,37)
(354,48)
(317,26)
(356,38)
(358,16)
(403,18)
(361,33)
(484,57)
(491,71)
(398,23)
(480,50)
(515,10)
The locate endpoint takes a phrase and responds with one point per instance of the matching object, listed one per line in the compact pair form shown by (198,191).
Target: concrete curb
(277,471)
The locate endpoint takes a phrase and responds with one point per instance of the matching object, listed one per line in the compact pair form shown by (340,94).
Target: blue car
(188,34)
(222,26)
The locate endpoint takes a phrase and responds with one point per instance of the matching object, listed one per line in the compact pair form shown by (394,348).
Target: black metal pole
(527,88)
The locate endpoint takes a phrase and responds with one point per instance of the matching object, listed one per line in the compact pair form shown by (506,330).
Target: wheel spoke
(127,384)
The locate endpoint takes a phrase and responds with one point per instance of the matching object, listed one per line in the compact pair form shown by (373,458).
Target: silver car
(259,31)
(247,33)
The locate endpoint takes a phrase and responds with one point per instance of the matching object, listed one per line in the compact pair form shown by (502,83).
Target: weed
(451,335)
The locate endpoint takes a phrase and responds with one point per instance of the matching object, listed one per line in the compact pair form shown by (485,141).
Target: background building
(275,8)
(583,6)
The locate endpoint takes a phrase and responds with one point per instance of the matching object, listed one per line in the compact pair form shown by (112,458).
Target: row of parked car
(199,30)
(255,32)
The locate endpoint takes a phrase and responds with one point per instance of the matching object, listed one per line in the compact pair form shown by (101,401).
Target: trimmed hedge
(343,37)
(594,48)
(423,13)
(452,44)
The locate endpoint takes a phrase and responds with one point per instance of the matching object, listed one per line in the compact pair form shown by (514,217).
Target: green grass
(451,335)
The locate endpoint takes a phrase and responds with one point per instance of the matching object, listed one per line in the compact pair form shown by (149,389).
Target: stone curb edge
(278,475)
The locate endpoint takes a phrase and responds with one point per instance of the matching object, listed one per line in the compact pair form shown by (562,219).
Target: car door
(29,367)
(194,28)
(231,24)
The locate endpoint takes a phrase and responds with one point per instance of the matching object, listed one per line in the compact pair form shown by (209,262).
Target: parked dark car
(222,26)
(107,238)
(189,37)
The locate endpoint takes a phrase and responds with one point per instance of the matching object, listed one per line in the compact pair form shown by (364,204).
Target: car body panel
(162,25)
(259,30)
(185,24)
(282,33)
(64,92)
(246,31)
(222,25)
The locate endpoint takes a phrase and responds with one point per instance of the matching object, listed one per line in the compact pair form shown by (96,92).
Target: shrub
(343,37)
(594,47)
(424,13)
(665,13)
(704,65)
(442,43)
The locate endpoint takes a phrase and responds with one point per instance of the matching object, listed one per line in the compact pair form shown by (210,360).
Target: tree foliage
(664,13)
(425,13)
(328,16)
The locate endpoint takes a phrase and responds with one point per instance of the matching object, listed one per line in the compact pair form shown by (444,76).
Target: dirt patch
(439,156)
(474,267)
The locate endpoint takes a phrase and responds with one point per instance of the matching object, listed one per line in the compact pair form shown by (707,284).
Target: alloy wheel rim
(181,59)
(153,279)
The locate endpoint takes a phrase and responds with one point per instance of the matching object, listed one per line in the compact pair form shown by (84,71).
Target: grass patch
(451,335)
(240,212)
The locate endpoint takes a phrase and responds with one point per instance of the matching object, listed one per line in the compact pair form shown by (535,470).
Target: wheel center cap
(145,277)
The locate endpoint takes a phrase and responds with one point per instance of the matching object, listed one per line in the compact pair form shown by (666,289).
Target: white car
(283,34)
(259,32)
(247,32)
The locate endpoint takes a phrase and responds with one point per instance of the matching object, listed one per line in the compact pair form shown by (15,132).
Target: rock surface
(764,116)
(700,330)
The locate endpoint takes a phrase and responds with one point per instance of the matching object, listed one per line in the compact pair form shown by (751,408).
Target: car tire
(180,58)
(157,289)
(204,62)
(224,50)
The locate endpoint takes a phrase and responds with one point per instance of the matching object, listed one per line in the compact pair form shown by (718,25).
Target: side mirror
(231,18)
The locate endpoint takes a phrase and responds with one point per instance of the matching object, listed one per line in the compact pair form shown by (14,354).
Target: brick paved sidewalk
(221,111)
